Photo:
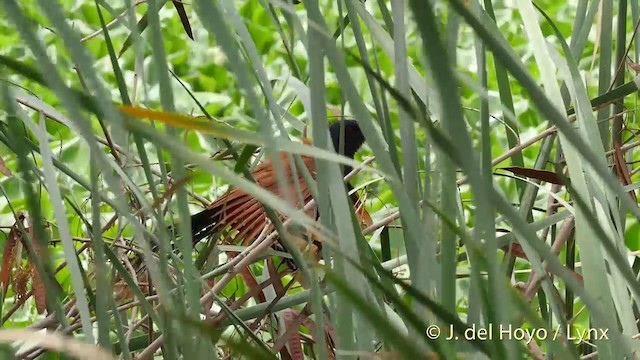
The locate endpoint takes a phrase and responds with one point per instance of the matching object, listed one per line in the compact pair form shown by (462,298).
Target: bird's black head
(353,137)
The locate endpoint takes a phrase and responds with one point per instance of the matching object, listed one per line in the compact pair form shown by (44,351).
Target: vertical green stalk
(604,68)
(103,292)
(320,139)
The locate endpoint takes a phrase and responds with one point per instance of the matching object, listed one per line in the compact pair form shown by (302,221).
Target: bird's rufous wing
(244,216)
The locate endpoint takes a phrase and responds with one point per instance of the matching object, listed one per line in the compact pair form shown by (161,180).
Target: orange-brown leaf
(8,258)
(39,291)
(362,214)
(621,168)
(537,174)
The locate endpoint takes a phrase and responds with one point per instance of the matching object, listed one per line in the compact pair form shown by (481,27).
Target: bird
(245,217)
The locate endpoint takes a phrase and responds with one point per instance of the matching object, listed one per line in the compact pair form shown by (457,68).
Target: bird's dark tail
(203,224)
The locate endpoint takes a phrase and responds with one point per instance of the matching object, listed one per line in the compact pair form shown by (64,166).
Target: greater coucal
(243,215)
